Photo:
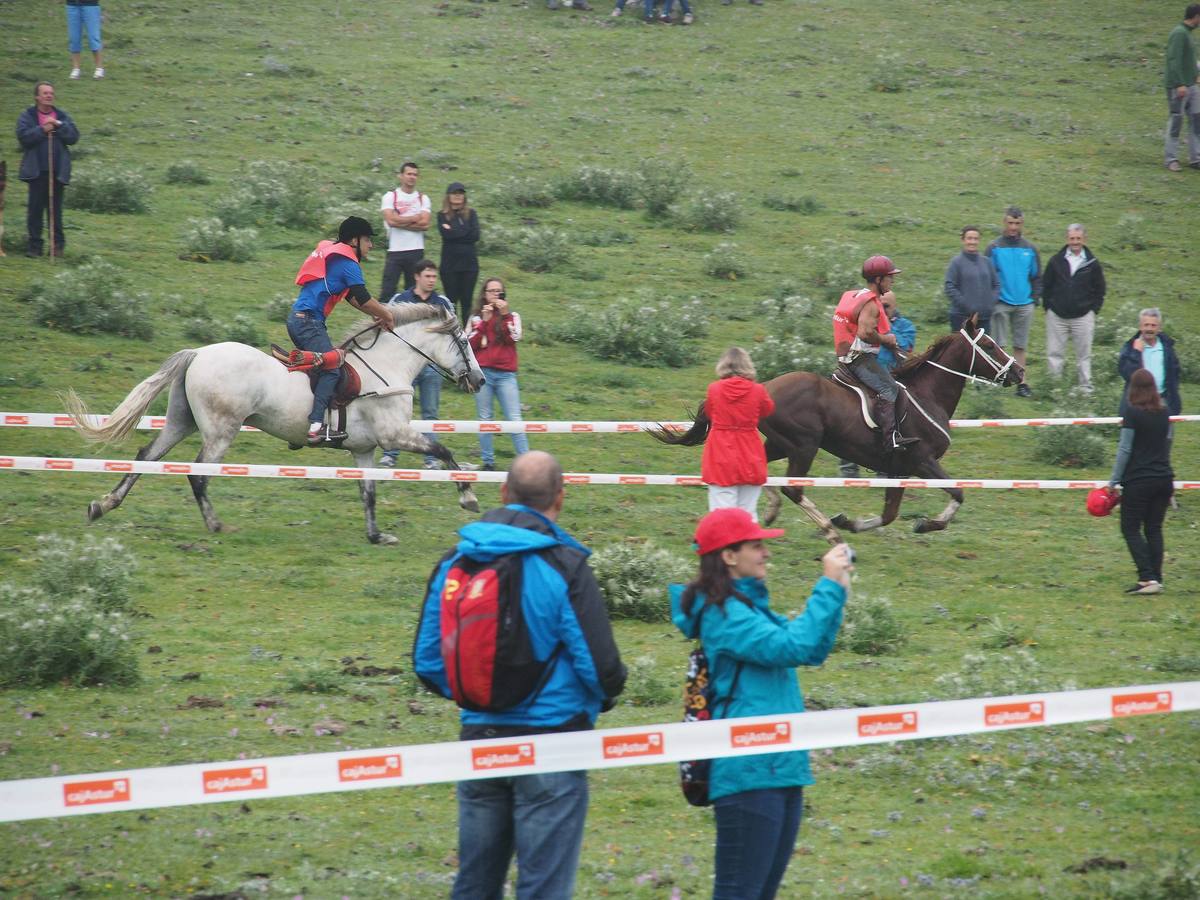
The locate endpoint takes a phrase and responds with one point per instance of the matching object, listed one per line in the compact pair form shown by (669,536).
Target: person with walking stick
(45,132)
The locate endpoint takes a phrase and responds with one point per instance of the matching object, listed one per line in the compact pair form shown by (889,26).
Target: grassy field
(880,129)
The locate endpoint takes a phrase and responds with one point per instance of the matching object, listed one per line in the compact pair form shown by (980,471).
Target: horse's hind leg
(933,469)
(180,424)
(891,506)
(366,491)
(213,450)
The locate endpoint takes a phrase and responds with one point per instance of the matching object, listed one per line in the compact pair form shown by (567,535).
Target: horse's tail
(697,434)
(127,414)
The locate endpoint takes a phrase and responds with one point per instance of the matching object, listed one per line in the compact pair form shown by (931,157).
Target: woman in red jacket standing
(494,331)
(734,464)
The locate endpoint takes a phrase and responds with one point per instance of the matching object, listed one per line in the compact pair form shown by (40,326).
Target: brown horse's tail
(695,435)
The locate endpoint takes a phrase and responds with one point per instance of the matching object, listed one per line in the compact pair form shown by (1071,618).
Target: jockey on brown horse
(860,328)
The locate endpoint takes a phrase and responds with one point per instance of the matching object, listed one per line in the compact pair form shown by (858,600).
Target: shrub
(794,314)
(368,187)
(314,679)
(720,211)
(647,686)
(276,192)
(981,402)
(209,239)
(497,240)
(46,640)
(1132,231)
(1070,446)
(91,298)
(995,675)
(777,356)
(604,237)
(279,307)
(205,330)
(280,69)
(110,190)
(1177,879)
(1189,358)
(100,565)
(1115,325)
(603,187)
(529,192)
(643,334)
(869,627)
(662,183)
(633,578)
(834,267)
(186,171)
(996,634)
(806,205)
(244,330)
(725,261)
(541,249)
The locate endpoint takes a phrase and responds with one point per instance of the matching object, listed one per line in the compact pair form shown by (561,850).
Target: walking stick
(50,211)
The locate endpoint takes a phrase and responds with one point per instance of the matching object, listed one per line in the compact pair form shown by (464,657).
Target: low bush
(1131,232)
(542,249)
(279,307)
(833,267)
(274,192)
(526,191)
(109,191)
(497,240)
(280,69)
(725,261)
(1116,324)
(91,298)
(777,356)
(633,578)
(211,239)
(1070,446)
(647,685)
(661,185)
(186,171)
(996,675)
(997,634)
(1187,349)
(368,187)
(603,187)
(242,329)
(870,627)
(100,565)
(315,679)
(981,402)
(709,211)
(604,237)
(642,334)
(806,205)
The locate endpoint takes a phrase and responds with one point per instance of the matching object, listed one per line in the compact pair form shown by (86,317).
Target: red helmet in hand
(877,267)
(1102,501)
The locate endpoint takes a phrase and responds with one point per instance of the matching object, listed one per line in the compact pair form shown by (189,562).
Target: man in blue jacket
(539,816)
(43,129)
(1020,270)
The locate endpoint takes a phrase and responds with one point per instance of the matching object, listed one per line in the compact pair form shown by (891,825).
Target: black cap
(355,226)
(456,187)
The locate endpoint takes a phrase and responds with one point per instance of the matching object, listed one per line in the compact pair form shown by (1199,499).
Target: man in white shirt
(406,214)
(1073,291)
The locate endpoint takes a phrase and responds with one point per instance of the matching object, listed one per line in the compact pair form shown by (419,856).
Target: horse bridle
(460,342)
(976,350)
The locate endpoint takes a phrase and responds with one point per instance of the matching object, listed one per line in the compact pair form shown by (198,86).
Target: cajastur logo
(220,781)
(760,735)
(84,793)
(1141,704)
(502,757)
(359,768)
(648,744)
(1028,713)
(881,724)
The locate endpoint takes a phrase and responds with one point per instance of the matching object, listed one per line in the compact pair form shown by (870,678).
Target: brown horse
(812,413)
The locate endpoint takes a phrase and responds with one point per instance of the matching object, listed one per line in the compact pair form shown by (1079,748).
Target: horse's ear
(973,322)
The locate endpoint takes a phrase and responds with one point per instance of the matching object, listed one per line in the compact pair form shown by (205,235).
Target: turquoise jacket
(769,646)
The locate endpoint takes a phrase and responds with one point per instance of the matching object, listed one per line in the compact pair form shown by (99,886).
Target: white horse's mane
(407,313)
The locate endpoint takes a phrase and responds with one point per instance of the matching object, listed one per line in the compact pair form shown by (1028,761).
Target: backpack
(485,643)
(699,705)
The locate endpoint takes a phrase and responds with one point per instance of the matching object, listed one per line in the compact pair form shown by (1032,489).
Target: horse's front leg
(933,469)
(891,506)
(416,442)
(366,491)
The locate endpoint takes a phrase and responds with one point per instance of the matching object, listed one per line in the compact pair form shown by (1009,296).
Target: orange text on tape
(220,781)
(504,756)
(85,793)
(760,735)
(622,745)
(879,724)
(359,768)
(1141,704)
(1028,713)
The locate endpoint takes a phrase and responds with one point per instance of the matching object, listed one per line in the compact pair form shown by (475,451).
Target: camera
(851,555)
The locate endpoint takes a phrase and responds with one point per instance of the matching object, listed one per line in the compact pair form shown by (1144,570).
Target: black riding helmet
(354,226)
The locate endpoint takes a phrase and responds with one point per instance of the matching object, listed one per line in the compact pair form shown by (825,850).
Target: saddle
(843,377)
(349,384)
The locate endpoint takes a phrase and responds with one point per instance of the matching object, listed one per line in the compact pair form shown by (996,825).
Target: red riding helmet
(878,266)
(1102,501)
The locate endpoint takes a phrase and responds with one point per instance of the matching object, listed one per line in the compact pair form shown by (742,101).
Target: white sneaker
(616,14)
(688,19)
(99,73)
(386,462)
(74,76)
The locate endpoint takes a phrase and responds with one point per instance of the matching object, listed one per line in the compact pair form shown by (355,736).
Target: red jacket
(733,453)
(495,341)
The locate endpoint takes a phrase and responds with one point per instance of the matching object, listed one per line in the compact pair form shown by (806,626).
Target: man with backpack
(514,629)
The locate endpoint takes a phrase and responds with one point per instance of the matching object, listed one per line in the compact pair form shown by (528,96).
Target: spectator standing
(458,225)
(734,463)
(1020,270)
(428,383)
(1154,351)
(406,214)
(1143,469)
(1073,292)
(541,817)
(44,132)
(971,283)
(1183,97)
(494,332)
(753,652)
(83,14)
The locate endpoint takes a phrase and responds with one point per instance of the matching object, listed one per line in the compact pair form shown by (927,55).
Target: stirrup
(326,436)
(899,441)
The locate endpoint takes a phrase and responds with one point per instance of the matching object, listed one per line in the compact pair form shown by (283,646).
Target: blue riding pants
(308,333)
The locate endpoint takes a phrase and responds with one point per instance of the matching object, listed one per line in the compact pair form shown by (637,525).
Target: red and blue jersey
(326,277)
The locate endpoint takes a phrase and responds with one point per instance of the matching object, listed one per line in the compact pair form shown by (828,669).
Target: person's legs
(1156,512)
(1057,330)
(91,21)
(747,498)
(35,212)
(429,386)
(509,395)
(60,238)
(1174,126)
(1021,318)
(485,838)
(1082,331)
(483,410)
(74,37)
(956,320)
(721,497)
(309,334)
(409,260)
(751,854)
(1001,330)
(393,268)
(1135,505)
(548,816)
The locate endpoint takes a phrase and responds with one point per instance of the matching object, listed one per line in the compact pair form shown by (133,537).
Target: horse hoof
(383,539)
(222,528)
(95,511)
(471,505)
(840,521)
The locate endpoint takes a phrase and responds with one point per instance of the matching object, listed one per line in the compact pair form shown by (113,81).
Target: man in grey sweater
(972,284)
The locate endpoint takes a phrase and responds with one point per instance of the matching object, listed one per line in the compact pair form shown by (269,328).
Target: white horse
(218,388)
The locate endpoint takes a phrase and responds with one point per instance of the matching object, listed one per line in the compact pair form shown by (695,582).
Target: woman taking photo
(494,331)
(734,463)
(752,653)
(1143,469)
(459,227)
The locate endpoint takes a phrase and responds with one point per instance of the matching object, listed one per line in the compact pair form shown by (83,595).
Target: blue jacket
(769,646)
(562,606)
(1130,361)
(906,336)
(36,159)
(1020,271)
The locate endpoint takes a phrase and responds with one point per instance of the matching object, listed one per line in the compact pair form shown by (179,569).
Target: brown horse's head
(987,358)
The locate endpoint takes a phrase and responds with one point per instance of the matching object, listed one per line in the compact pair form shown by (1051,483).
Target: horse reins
(352,341)
(976,350)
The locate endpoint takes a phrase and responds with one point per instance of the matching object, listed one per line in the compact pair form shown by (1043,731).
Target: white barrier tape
(147,467)
(474,426)
(349,770)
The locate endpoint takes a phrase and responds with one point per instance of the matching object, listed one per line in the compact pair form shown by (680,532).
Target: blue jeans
(503,386)
(77,18)
(539,816)
(683,5)
(428,385)
(308,333)
(756,833)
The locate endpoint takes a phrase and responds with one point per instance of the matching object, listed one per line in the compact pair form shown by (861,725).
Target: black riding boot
(885,417)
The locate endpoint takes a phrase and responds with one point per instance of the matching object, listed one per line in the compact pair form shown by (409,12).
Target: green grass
(894,134)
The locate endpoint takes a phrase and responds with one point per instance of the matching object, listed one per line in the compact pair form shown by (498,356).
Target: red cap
(1102,501)
(723,527)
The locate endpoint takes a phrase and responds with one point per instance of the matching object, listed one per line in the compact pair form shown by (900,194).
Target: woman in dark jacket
(752,653)
(459,227)
(1143,469)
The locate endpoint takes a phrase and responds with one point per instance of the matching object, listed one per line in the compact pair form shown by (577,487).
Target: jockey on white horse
(332,273)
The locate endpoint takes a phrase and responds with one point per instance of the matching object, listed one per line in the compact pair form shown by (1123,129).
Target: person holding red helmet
(860,329)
